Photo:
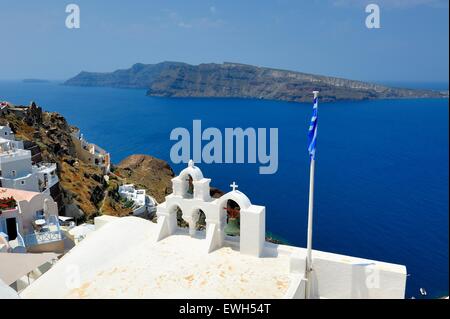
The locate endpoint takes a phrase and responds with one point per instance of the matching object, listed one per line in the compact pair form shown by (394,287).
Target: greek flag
(312,133)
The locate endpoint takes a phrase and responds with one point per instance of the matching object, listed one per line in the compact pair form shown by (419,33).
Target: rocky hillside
(150,173)
(83,186)
(233,80)
(147,172)
(85,191)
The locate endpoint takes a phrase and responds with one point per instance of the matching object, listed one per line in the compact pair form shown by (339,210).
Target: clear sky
(326,37)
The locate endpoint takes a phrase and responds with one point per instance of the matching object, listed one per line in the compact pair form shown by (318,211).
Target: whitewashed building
(147,260)
(4,105)
(144,205)
(31,226)
(17,170)
(8,139)
(91,153)
(129,192)
(6,133)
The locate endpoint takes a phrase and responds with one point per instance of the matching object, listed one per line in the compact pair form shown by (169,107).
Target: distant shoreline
(235,80)
(35,81)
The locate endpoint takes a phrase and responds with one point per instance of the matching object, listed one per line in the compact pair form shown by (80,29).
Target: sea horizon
(425,85)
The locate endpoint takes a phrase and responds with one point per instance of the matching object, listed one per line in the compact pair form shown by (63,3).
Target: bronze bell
(232,228)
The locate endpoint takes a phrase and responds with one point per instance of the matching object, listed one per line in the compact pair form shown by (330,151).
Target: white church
(229,259)
(191,196)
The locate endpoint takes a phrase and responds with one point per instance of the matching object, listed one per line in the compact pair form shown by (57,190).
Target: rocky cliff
(48,136)
(147,172)
(233,80)
(152,174)
(83,186)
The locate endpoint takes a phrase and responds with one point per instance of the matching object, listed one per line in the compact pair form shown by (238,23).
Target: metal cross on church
(234,186)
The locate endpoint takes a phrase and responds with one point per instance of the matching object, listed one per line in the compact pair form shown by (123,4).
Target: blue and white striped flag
(312,133)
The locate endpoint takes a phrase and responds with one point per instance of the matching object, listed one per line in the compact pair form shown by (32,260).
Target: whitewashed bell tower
(191,194)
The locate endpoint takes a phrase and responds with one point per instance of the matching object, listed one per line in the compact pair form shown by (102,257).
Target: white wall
(89,157)
(345,277)
(6,133)
(28,210)
(26,183)
(20,163)
(353,279)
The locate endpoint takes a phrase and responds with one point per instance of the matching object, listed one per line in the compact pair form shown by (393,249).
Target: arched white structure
(180,183)
(252,217)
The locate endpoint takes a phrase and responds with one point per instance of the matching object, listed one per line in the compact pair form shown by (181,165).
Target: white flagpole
(310,224)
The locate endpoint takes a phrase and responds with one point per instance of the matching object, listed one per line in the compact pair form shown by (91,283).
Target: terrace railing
(42,238)
(47,236)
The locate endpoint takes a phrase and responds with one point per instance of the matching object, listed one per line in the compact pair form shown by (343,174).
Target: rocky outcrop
(83,187)
(49,131)
(233,80)
(148,172)
(152,174)
(47,136)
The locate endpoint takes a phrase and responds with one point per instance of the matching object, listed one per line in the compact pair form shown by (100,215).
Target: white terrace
(134,258)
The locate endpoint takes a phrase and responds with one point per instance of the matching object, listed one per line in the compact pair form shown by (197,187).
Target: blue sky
(317,36)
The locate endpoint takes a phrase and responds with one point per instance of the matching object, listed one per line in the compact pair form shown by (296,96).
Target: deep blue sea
(382,174)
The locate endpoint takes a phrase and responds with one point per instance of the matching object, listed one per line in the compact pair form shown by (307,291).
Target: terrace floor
(123,260)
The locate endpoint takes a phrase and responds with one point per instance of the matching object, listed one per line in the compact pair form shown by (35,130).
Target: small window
(13,173)
(6,133)
(22,182)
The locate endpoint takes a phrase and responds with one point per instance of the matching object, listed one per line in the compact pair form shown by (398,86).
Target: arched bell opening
(188,186)
(181,222)
(200,225)
(233,223)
